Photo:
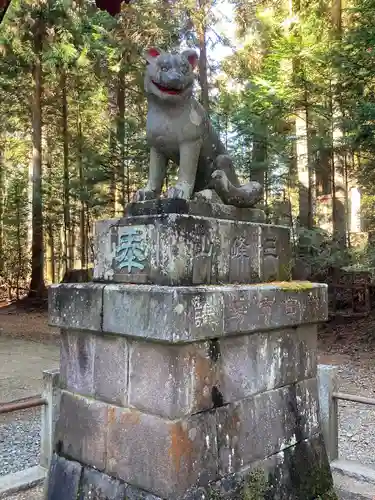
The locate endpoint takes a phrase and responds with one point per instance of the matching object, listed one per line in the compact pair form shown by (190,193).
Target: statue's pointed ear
(151,54)
(191,56)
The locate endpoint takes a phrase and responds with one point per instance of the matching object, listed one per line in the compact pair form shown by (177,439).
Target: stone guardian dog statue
(178,129)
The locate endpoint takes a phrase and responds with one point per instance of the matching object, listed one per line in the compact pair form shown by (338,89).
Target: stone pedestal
(187,247)
(187,392)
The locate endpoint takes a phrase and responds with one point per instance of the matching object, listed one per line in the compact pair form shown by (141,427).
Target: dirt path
(21,324)
(27,347)
(21,366)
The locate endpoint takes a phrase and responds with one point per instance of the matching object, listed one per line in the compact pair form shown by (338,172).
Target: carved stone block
(183,380)
(299,471)
(182,249)
(81,430)
(111,369)
(251,364)
(77,354)
(161,456)
(189,314)
(265,424)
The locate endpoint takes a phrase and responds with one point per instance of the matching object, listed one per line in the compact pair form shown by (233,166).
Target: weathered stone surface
(77,354)
(111,369)
(276,253)
(265,424)
(81,429)
(327,384)
(133,493)
(307,347)
(63,479)
(264,307)
(172,381)
(300,472)
(98,486)
(186,314)
(169,314)
(102,254)
(178,249)
(160,456)
(76,305)
(308,407)
(197,208)
(303,473)
(251,364)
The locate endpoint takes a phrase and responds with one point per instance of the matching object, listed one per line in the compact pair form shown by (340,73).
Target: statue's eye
(164,68)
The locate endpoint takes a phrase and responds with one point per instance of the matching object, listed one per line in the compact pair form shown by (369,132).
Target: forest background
(292,96)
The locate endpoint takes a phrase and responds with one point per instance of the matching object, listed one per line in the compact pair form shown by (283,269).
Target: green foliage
(255,486)
(294,61)
(15,219)
(97,159)
(282,69)
(319,252)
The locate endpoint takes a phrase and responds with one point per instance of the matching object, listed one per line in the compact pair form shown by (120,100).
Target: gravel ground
(19,442)
(33,494)
(22,360)
(357,421)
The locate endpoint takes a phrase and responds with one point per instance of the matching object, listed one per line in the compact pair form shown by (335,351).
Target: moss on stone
(308,469)
(255,486)
(286,271)
(329,495)
(213,495)
(294,286)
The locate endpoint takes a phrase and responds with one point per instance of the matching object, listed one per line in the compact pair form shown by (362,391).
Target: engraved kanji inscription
(265,307)
(240,248)
(204,312)
(270,246)
(130,251)
(291,307)
(239,310)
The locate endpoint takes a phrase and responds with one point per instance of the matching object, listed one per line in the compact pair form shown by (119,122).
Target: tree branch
(4,4)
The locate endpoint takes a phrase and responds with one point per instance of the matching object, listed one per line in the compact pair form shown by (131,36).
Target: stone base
(300,472)
(169,244)
(197,208)
(185,392)
(185,314)
(182,391)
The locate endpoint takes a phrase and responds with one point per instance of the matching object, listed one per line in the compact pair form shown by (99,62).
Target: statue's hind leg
(225,163)
(227,186)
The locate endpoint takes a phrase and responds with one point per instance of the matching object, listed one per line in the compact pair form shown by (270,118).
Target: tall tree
(37,285)
(2,202)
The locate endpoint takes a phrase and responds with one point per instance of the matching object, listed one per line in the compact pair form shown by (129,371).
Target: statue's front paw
(181,190)
(144,194)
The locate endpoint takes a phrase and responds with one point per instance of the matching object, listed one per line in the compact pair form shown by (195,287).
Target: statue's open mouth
(167,90)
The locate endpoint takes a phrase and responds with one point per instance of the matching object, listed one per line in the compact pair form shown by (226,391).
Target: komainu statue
(178,129)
